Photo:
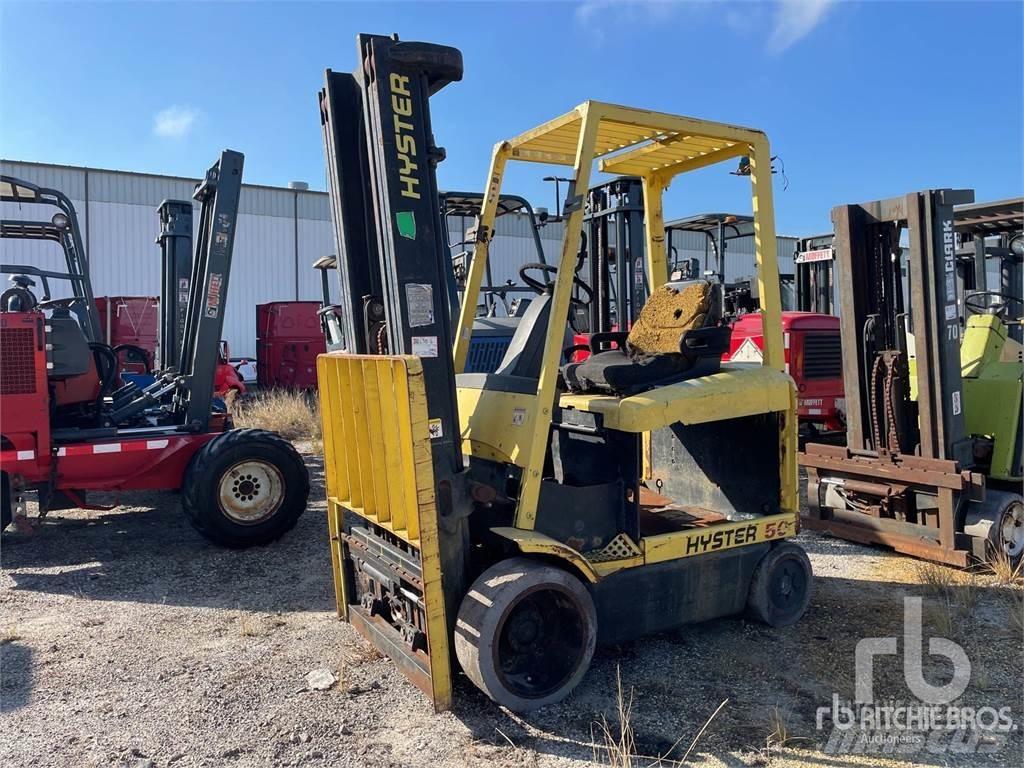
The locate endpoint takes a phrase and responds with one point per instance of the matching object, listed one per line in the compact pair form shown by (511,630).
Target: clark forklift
(507,522)
(932,463)
(68,429)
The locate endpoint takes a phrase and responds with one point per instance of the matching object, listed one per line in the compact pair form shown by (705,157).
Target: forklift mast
(613,223)
(203,324)
(393,263)
(878,318)
(175,240)
(814,275)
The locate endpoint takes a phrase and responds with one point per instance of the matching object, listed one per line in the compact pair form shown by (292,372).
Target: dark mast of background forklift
(393,262)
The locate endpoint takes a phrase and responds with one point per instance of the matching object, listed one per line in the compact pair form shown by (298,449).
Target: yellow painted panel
(407,478)
(359,448)
(496,426)
(389,405)
(334,527)
(335,471)
(347,443)
(375,447)
(531,542)
(714,538)
(736,391)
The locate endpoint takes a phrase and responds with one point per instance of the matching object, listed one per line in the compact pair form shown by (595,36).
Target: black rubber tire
(998,548)
(6,514)
(201,490)
(989,521)
(781,587)
(516,593)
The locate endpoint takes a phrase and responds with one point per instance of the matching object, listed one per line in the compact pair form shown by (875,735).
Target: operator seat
(676,337)
(520,367)
(19,297)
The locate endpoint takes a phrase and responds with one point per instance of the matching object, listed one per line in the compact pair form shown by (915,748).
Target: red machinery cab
(288,340)
(813,358)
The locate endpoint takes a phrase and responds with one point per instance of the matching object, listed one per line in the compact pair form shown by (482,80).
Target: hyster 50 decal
(405,142)
(670,546)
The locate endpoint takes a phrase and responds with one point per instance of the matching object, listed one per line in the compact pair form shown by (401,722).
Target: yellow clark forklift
(505,523)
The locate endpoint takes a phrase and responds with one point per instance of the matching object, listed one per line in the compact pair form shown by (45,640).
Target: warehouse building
(281,232)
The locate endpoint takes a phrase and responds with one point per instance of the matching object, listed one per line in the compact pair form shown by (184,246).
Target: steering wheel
(543,286)
(60,303)
(977,302)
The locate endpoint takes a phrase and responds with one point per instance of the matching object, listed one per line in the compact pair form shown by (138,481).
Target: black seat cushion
(616,372)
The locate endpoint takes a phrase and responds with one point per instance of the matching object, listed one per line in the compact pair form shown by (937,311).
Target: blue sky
(861,100)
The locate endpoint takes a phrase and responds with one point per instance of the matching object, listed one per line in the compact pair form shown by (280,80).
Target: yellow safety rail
(657,147)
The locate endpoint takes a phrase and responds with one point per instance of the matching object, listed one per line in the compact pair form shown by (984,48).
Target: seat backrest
(668,313)
(526,350)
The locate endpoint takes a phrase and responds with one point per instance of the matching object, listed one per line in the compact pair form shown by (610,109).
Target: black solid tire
(487,620)
(997,547)
(781,587)
(201,489)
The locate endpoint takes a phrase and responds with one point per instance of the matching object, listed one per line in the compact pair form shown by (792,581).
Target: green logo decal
(406,222)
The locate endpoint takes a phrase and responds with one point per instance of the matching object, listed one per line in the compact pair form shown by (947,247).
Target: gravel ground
(126,639)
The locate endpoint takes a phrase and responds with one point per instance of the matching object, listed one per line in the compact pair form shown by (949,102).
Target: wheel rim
(251,492)
(1012,530)
(788,586)
(541,643)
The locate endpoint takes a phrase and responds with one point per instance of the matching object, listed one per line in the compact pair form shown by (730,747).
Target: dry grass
(9,635)
(955,595)
(363,653)
(1016,606)
(618,743)
(255,625)
(617,747)
(293,415)
(1003,571)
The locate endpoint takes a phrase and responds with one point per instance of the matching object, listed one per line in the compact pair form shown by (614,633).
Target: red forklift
(69,429)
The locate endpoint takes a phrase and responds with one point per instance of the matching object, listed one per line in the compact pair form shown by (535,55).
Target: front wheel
(245,487)
(780,590)
(526,633)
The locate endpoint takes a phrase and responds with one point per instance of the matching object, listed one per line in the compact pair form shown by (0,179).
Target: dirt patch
(127,639)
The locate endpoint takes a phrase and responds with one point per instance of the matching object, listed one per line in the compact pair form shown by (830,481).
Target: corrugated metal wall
(117,213)
(281,232)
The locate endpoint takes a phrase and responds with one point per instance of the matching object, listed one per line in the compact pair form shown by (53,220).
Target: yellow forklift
(505,523)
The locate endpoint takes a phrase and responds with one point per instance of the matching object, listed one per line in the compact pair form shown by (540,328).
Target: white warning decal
(748,352)
(424,346)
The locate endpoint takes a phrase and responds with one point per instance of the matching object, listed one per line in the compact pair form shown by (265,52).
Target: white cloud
(794,20)
(175,122)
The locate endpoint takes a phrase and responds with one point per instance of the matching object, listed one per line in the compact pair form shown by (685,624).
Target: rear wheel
(780,590)
(245,487)
(999,522)
(526,633)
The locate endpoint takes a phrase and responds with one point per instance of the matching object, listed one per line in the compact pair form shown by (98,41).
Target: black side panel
(640,601)
(689,465)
